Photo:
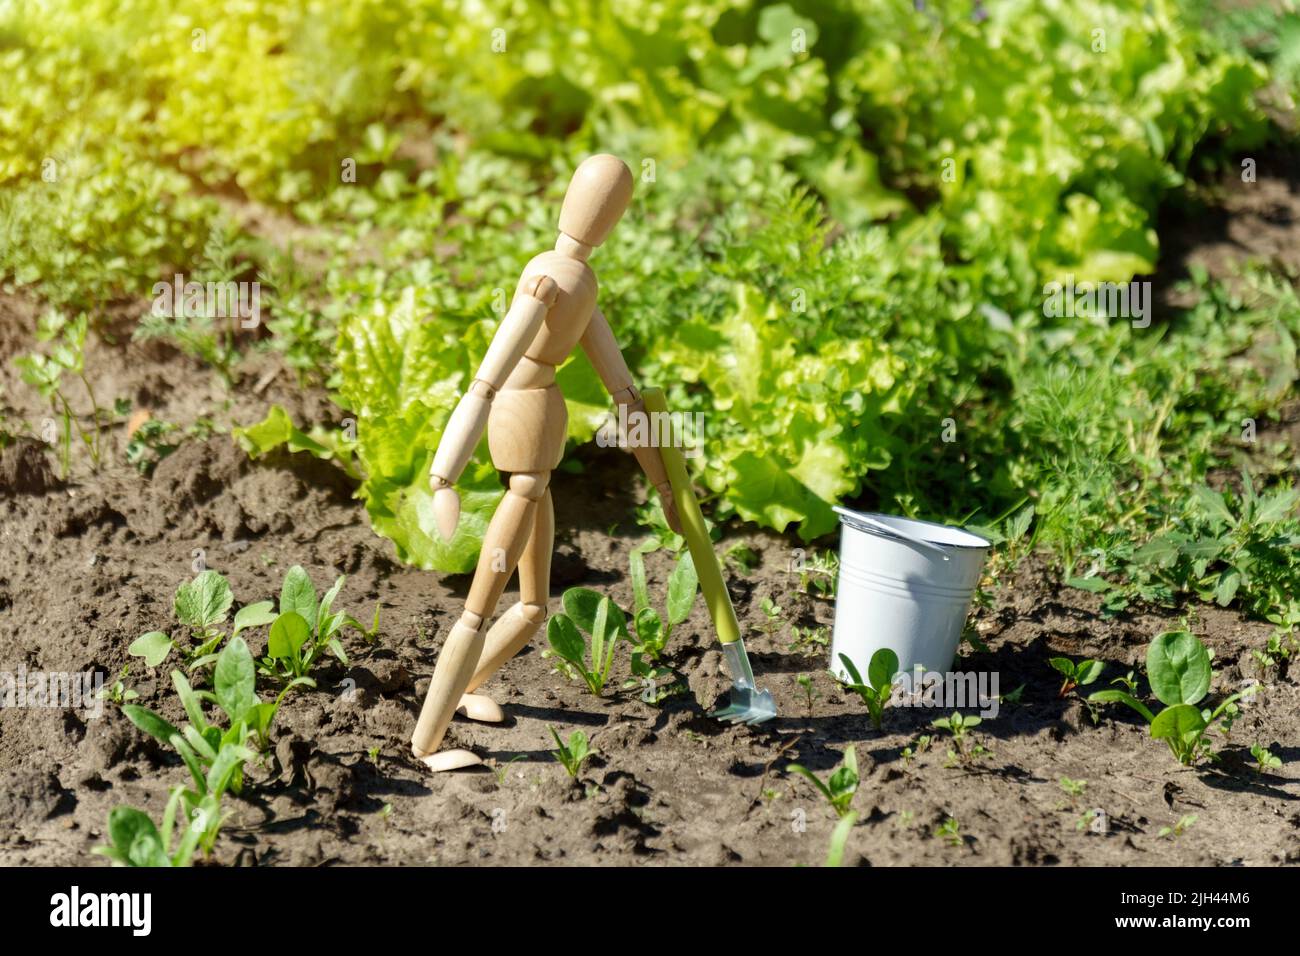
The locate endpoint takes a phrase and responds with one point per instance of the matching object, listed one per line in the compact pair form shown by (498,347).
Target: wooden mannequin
(515,396)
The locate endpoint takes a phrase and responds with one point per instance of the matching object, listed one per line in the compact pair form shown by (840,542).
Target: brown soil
(88,565)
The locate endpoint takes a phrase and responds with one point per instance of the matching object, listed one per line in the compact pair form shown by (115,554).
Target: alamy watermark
(217,300)
(952,690)
(54,689)
(637,429)
(1092,300)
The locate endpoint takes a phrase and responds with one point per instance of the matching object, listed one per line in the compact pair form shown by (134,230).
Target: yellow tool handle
(707,566)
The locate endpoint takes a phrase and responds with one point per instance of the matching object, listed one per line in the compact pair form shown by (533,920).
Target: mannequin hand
(670,507)
(446,507)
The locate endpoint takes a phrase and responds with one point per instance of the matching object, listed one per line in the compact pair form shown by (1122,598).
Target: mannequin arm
(607,358)
(465,427)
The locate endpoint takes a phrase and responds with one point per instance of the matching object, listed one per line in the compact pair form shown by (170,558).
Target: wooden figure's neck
(567,245)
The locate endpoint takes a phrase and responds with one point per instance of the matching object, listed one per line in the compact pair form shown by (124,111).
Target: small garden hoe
(748,704)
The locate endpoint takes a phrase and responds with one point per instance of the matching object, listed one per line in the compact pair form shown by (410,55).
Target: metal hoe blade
(747,704)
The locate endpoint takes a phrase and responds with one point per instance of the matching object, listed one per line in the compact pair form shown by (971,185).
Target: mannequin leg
(503,544)
(516,627)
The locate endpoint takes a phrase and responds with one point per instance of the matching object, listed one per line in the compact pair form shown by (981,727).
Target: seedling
(1184,824)
(602,620)
(133,840)
(505,768)
(880,673)
(1076,675)
(840,839)
(118,692)
(571,755)
(1178,667)
(805,681)
(819,573)
(304,629)
(45,374)
(1073,788)
(653,631)
(155,439)
(959,727)
(1265,759)
(215,758)
(842,785)
(809,641)
(771,616)
(201,606)
(950,832)
(1128,682)
(922,745)
(1014,697)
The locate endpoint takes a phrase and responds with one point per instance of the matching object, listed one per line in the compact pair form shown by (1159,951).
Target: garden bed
(91,564)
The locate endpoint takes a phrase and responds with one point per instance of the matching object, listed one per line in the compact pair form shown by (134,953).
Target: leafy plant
(573,754)
(840,839)
(653,631)
(305,628)
(133,840)
(960,727)
(949,831)
(118,692)
(201,606)
(771,615)
(1076,675)
(45,373)
(1178,667)
(842,784)
(1265,759)
(875,692)
(602,621)
(1184,824)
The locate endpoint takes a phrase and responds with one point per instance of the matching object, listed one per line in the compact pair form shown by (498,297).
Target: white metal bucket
(897,594)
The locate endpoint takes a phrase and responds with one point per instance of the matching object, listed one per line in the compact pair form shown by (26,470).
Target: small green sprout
(571,755)
(843,783)
(1076,675)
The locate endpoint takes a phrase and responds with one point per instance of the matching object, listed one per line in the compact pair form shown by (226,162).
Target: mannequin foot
(480,707)
(446,760)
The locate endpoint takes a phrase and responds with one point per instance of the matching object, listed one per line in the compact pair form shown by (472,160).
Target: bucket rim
(924,529)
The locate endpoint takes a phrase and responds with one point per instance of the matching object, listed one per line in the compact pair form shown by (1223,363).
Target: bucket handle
(855,517)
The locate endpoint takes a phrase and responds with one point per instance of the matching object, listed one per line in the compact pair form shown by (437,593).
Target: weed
(1014,697)
(841,786)
(880,674)
(818,574)
(743,557)
(155,439)
(1178,667)
(502,770)
(571,755)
